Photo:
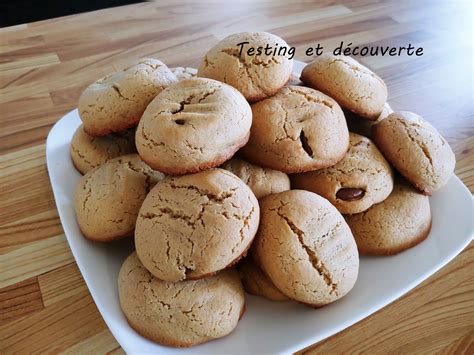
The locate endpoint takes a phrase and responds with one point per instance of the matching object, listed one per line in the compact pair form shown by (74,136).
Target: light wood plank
(44,67)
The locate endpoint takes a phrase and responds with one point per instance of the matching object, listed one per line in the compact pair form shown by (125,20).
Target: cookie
(116,102)
(179,314)
(305,247)
(262,181)
(400,222)
(297,130)
(416,149)
(184,73)
(88,152)
(193,125)
(255,76)
(360,180)
(352,85)
(257,283)
(107,199)
(195,225)
(356,124)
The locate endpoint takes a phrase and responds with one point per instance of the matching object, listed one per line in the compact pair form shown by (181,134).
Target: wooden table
(44,303)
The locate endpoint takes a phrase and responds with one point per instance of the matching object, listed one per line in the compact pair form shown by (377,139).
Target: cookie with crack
(88,152)
(297,130)
(400,222)
(354,86)
(117,101)
(256,282)
(262,181)
(192,226)
(107,199)
(305,247)
(360,180)
(416,149)
(193,125)
(180,314)
(255,76)
(184,72)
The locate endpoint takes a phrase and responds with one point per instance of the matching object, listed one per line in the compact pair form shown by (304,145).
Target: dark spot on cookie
(305,144)
(180,122)
(350,194)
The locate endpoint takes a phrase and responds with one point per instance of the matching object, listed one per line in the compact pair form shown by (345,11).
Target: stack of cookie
(244,159)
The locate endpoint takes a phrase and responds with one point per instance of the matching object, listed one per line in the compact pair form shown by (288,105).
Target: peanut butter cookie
(360,180)
(257,283)
(193,125)
(180,314)
(195,225)
(116,102)
(108,198)
(255,76)
(416,149)
(88,152)
(400,222)
(262,181)
(305,247)
(352,85)
(297,130)
(184,72)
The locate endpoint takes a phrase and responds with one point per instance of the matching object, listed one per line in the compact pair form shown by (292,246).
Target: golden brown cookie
(262,181)
(360,180)
(305,247)
(116,102)
(88,152)
(352,85)
(255,76)
(195,225)
(297,130)
(193,125)
(416,149)
(257,283)
(107,199)
(184,72)
(400,222)
(180,314)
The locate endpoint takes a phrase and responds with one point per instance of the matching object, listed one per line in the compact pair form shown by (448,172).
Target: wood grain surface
(44,303)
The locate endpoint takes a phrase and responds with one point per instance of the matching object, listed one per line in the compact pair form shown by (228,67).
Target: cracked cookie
(416,149)
(305,247)
(184,72)
(192,226)
(262,181)
(116,102)
(297,130)
(360,180)
(352,85)
(255,76)
(193,125)
(107,199)
(88,152)
(400,222)
(180,314)
(256,282)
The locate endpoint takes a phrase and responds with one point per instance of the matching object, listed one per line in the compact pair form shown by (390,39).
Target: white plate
(267,327)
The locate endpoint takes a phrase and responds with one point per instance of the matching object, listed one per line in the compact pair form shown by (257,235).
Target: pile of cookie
(244,175)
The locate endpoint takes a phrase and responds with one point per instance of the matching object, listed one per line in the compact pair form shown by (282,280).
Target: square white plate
(267,327)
